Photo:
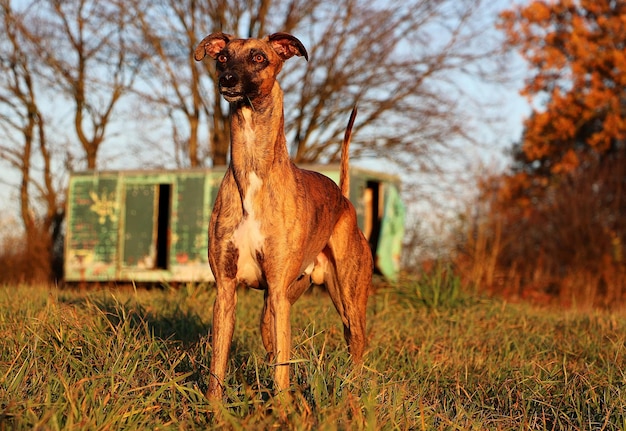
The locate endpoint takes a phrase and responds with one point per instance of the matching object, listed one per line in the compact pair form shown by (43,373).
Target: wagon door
(389,248)
(145,239)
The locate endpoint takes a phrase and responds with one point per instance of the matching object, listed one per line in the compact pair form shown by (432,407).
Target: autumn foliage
(555,224)
(577,51)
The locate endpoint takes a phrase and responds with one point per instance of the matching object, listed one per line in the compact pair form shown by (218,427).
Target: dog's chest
(248,237)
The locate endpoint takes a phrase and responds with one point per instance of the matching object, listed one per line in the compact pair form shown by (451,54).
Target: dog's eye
(222,58)
(258,58)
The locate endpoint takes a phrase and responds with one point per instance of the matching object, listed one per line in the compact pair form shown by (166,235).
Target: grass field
(438,359)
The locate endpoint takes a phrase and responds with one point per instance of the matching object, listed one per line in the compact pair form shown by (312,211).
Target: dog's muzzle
(230,87)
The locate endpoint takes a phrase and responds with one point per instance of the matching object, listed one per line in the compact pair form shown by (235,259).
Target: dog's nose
(229,80)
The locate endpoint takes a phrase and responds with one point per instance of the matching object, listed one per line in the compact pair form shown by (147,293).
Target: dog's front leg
(280,307)
(223,327)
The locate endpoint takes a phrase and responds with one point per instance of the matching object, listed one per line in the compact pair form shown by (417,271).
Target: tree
(400,61)
(25,146)
(576,50)
(95,63)
(577,54)
(172,85)
(556,221)
(86,54)
(58,56)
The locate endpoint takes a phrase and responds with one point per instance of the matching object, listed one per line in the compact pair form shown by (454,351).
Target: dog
(274,226)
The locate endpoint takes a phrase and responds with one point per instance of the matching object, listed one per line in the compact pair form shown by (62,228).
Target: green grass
(445,360)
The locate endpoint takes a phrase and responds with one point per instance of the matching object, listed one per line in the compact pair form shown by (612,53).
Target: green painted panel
(389,248)
(139,225)
(189,239)
(92,228)
(215,181)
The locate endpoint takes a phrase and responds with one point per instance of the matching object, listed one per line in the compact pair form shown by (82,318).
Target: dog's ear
(211,45)
(286,46)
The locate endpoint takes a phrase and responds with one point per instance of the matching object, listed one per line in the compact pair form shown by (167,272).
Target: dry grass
(437,360)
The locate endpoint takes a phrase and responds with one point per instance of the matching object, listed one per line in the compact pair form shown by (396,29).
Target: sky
(505,101)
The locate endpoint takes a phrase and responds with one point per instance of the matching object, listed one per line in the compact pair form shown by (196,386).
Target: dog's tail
(344,174)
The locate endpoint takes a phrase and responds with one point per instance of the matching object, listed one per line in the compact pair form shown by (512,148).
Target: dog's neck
(257,134)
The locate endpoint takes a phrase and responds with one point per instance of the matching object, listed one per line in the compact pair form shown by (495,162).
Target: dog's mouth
(238,93)
(231,95)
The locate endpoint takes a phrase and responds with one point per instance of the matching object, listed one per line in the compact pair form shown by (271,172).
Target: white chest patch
(248,237)
(249,136)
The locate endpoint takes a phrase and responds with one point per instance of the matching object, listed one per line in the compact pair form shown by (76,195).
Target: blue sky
(504,101)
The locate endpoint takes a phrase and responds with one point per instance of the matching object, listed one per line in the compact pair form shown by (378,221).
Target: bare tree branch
(23,125)
(83,52)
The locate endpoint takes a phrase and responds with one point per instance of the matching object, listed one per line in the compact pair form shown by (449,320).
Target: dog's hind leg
(267,325)
(348,285)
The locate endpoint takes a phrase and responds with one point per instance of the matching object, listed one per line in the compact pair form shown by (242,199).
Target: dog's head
(247,68)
